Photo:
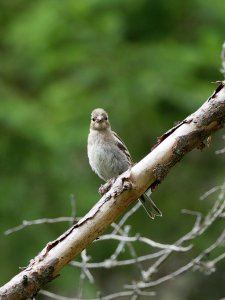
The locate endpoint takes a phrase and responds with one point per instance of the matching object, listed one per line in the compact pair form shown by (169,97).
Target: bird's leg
(104,188)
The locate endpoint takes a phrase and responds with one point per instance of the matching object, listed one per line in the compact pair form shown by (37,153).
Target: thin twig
(26,223)
(108,297)
(210,192)
(111,264)
(126,216)
(143,240)
(181,270)
(198,229)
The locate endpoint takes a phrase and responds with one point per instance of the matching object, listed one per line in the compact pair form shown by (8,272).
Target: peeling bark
(118,195)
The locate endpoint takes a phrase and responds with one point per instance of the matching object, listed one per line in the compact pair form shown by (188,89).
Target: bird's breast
(105,158)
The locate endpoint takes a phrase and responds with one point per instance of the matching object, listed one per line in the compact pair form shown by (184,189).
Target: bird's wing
(122,147)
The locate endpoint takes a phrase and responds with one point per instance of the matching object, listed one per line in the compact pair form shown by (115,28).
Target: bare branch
(26,223)
(126,216)
(198,229)
(111,264)
(190,265)
(210,192)
(150,171)
(109,297)
(143,240)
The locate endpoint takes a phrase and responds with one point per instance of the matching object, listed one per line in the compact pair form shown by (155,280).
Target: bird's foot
(104,188)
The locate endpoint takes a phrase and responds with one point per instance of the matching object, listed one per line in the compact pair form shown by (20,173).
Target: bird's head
(99,119)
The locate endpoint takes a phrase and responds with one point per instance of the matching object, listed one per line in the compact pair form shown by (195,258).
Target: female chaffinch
(108,155)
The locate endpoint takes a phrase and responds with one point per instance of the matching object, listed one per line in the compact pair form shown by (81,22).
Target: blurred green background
(149,64)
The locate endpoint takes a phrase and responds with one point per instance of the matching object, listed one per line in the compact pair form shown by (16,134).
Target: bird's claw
(104,188)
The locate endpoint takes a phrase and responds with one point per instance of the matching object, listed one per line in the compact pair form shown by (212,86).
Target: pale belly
(107,161)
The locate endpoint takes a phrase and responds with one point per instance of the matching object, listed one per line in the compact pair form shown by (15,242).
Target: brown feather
(122,147)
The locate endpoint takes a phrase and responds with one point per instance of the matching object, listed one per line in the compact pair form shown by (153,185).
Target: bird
(109,157)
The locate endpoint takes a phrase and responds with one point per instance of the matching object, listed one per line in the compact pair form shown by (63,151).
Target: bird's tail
(150,207)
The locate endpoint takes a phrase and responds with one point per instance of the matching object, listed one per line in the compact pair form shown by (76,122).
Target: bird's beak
(99,119)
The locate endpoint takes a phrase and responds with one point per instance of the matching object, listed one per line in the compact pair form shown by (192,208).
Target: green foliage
(146,62)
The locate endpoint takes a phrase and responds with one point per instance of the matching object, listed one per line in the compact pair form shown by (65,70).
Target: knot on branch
(123,185)
(160,171)
(25,280)
(187,142)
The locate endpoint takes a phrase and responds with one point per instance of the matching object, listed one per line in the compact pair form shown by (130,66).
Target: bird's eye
(106,118)
(93,119)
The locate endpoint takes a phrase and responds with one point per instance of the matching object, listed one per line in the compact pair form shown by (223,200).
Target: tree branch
(150,171)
